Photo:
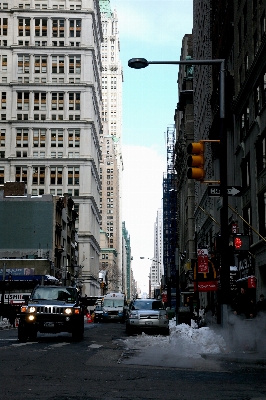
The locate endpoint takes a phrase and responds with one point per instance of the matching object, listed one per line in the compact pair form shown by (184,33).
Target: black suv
(51,309)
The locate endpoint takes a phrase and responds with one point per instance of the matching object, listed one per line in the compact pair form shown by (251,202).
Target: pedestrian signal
(241,243)
(195,161)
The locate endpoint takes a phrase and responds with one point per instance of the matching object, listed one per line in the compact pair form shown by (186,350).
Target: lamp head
(138,63)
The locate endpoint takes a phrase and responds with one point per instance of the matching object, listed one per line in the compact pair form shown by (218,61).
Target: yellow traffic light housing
(195,161)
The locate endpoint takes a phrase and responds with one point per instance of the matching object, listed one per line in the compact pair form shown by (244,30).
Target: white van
(114,306)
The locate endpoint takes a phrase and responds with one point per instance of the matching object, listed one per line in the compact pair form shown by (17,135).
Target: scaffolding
(170,215)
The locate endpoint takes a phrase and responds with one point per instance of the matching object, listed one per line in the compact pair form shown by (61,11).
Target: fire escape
(169,217)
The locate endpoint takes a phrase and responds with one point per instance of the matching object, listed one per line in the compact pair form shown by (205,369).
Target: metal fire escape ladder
(169,212)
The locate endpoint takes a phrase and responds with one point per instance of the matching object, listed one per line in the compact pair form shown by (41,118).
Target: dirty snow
(183,341)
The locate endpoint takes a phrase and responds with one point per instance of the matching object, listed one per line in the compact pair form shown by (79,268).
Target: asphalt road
(103,367)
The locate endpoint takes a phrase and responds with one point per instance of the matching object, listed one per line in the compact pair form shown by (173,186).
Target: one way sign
(231,191)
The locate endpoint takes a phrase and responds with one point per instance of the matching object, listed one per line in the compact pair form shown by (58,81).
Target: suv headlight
(133,315)
(29,310)
(163,316)
(68,311)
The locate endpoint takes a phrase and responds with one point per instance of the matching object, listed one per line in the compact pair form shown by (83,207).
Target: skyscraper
(50,110)
(111,162)
(157,269)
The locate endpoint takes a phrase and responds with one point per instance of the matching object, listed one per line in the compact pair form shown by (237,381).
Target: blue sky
(152,29)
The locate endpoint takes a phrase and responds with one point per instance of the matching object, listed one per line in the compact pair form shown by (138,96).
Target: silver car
(147,314)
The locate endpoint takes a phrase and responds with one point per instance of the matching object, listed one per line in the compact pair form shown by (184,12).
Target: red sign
(206,286)
(203,266)
(252,282)
(164,297)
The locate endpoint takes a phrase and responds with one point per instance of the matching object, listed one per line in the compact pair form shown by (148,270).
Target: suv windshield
(147,305)
(48,293)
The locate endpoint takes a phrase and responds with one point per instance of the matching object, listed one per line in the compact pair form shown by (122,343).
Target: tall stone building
(235,32)
(184,125)
(50,122)
(249,137)
(111,161)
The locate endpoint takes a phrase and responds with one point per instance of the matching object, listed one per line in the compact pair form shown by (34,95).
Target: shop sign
(203,266)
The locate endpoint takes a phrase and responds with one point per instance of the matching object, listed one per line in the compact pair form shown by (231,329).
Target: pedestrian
(243,306)
(261,305)
(201,316)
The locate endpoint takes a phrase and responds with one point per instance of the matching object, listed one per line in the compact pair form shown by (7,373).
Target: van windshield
(113,303)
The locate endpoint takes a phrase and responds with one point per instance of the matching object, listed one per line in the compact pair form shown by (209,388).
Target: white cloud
(141,198)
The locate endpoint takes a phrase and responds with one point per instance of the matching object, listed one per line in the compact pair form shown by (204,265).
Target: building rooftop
(105,8)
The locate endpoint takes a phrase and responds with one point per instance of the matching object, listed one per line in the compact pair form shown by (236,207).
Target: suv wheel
(78,332)
(22,334)
(33,335)
(129,330)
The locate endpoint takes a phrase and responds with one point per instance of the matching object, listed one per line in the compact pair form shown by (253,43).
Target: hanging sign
(203,266)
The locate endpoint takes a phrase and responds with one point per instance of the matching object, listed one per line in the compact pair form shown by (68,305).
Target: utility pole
(3,286)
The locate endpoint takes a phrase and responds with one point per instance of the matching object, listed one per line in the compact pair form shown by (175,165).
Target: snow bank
(183,341)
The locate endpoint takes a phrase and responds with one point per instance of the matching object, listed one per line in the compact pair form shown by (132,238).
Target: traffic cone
(89,319)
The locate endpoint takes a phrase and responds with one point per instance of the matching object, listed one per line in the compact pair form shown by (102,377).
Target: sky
(152,29)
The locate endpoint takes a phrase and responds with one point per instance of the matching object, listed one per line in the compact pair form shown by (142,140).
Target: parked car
(147,314)
(98,313)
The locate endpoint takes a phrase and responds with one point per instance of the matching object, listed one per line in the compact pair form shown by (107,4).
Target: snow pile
(183,341)
(189,341)
(4,323)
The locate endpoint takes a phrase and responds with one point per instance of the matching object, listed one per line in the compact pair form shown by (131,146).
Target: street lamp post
(139,63)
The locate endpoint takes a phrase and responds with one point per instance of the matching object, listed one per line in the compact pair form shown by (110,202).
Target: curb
(244,358)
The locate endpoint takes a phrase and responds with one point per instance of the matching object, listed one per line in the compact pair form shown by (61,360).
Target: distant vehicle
(114,306)
(51,309)
(98,313)
(91,302)
(147,314)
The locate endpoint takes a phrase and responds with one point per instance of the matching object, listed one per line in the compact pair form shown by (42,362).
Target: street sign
(231,190)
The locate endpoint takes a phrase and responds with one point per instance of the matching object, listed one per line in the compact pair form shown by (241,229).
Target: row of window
(40,64)
(38,137)
(57,192)
(258,101)
(39,100)
(242,28)
(43,6)
(55,175)
(39,26)
(42,154)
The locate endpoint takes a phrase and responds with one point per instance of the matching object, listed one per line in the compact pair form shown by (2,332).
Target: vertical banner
(203,266)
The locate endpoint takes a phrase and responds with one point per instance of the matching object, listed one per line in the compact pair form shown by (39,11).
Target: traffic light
(241,243)
(195,161)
